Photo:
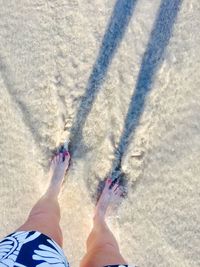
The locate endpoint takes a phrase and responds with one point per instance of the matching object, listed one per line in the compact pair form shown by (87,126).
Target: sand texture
(120,79)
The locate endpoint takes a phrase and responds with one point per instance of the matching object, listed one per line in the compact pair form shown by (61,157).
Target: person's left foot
(59,165)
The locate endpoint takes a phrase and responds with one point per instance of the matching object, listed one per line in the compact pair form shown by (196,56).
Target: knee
(102,256)
(44,224)
(102,240)
(45,208)
(102,245)
(43,216)
(108,247)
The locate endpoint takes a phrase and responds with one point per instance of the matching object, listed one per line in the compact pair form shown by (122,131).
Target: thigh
(45,224)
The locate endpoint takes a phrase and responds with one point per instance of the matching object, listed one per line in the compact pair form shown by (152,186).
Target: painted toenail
(66,153)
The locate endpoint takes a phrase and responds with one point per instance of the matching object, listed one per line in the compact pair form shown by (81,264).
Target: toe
(115,186)
(57,158)
(108,182)
(118,190)
(51,163)
(67,155)
(60,157)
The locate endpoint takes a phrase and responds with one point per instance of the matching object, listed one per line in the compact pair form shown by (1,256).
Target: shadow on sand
(118,23)
(153,57)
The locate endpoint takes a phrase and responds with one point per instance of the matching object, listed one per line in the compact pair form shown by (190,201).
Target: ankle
(99,216)
(52,192)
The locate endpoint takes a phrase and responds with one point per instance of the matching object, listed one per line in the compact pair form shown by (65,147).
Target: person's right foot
(108,195)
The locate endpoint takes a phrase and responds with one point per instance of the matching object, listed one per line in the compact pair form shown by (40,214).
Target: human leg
(45,215)
(102,246)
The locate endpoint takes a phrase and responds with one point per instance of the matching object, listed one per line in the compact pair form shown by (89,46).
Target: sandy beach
(121,81)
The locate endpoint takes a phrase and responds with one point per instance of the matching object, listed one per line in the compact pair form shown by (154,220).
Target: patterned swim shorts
(30,249)
(33,249)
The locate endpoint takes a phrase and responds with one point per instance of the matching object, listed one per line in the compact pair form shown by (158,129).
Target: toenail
(66,153)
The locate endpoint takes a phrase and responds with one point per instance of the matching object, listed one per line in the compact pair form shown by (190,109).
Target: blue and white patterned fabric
(31,249)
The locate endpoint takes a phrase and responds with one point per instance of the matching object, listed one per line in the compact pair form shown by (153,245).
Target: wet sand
(121,81)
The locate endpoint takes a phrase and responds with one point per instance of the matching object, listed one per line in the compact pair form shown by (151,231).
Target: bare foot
(59,165)
(108,195)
